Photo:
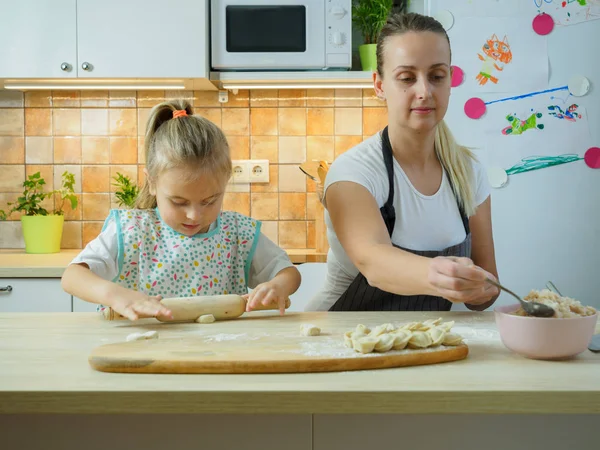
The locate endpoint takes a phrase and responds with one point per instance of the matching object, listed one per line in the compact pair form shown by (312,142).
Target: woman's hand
(460,281)
(137,305)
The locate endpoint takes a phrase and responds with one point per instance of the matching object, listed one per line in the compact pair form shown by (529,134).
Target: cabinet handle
(6,289)
(86,66)
(65,67)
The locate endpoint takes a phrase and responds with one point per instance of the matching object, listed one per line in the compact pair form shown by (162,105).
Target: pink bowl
(544,338)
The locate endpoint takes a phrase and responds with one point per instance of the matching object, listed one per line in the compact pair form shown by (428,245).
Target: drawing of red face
(497,49)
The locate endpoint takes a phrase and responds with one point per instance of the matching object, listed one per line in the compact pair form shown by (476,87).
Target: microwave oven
(296,35)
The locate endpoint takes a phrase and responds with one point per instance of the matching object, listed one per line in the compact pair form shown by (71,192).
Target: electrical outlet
(239,173)
(258,170)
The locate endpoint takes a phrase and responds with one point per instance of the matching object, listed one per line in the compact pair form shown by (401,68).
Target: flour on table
(142,336)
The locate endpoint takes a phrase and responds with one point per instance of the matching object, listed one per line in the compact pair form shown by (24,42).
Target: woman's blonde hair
(184,141)
(456,159)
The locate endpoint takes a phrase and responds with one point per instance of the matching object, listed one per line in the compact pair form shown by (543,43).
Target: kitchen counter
(44,369)
(15,263)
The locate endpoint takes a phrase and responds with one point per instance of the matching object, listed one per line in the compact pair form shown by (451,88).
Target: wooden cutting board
(256,353)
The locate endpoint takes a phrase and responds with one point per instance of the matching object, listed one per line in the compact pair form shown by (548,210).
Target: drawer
(33,295)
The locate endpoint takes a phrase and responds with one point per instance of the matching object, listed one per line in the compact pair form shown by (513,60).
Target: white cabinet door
(37,38)
(33,295)
(83,306)
(142,38)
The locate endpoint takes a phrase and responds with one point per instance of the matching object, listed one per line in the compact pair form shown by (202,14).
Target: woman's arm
(482,246)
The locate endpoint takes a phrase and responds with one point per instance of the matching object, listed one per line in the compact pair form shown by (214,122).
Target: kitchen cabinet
(33,295)
(83,306)
(108,39)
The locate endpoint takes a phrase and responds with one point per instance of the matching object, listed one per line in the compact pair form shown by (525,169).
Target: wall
(96,134)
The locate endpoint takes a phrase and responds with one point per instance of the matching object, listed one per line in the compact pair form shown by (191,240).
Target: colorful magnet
(579,86)
(475,108)
(497,177)
(457,76)
(592,158)
(543,24)
(446,18)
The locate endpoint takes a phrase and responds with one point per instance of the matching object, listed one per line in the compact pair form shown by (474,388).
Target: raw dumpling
(360,328)
(437,335)
(447,326)
(385,343)
(429,324)
(401,338)
(364,344)
(206,318)
(348,339)
(307,329)
(419,339)
(452,339)
(382,329)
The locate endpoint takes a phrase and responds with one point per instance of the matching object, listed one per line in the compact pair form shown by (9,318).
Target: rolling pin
(188,309)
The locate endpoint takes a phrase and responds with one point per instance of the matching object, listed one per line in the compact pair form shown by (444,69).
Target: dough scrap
(142,336)
(307,329)
(206,318)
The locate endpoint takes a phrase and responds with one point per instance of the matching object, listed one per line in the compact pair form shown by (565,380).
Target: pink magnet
(592,158)
(475,108)
(543,24)
(457,76)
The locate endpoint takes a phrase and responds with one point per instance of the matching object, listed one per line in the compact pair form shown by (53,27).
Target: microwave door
(270,36)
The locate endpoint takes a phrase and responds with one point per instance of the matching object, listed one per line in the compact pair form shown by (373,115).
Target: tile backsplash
(95,134)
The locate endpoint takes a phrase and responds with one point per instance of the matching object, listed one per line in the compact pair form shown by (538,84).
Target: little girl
(178,242)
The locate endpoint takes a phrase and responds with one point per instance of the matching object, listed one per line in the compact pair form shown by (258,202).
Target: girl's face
(416,79)
(188,201)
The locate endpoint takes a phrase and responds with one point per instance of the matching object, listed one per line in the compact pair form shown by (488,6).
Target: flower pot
(368,57)
(42,234)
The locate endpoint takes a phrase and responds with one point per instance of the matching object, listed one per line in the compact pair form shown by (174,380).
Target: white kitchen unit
(33,295)
(38,39)
(83,306)
(108,39)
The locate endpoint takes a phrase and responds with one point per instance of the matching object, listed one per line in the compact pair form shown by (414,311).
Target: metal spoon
(550,286)
(531,308)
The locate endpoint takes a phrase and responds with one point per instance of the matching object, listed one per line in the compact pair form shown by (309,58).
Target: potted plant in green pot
(42,230)
(369,17)
(126,192)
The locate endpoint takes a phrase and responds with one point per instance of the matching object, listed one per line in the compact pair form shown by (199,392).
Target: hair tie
(179,113)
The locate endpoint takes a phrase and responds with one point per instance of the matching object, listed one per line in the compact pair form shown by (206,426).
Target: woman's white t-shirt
(423,222)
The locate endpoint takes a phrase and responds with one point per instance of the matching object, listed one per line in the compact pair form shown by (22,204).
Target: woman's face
(416,79)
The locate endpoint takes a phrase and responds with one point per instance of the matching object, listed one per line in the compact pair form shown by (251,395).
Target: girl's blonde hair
(185,141)
(456,159)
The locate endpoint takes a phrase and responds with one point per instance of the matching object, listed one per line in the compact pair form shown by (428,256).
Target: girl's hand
(266,294)
(137,305)
(460,281)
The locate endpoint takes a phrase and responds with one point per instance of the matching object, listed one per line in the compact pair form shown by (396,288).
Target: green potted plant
(126,192)
(369,17)
(42,230)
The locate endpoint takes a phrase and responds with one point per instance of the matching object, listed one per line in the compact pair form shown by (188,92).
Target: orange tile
(374,120)
(58,173)
(292,121)
(265,206)
(130,171)
(38,122)
(263,121)
(260,98)
(94,99)
(94,122)
(292,149)
(70,213)
(95,206)
(66,99)
(91,230)
(95,179)
(311,234)
(123,150)
(212,114)
(66,122)
(272,185)
(345,143)
(239,100)
(319,148)
(206,99)
(319,122)
(311,185)
(271,230)
(141,175)
(264,147)
(292,97)
(122,99)
(12,122)
(11,178)
(178,96)
(149,99)
(236,121)
(292,234)
(320,97)
(238,202)
(292,206)
(67,150)
(348,121)
(5,199)
(239,147)
(38,99)
(71,237)
(95,150)
(11,99)
(371,99)
(141,150)
(39,150)
(142,120)
(312,200)
(348,98)
(12,150)
(291,178)
(122,122)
